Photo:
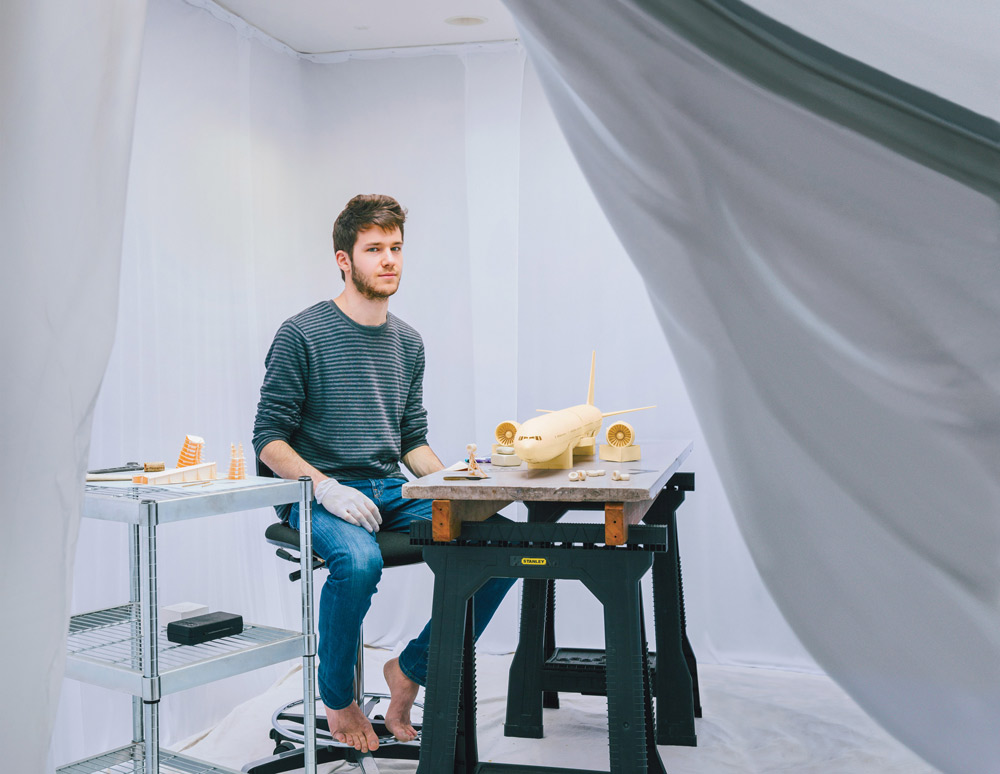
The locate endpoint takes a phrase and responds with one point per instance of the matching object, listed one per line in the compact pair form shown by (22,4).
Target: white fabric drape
(832,306)
(68,77)
(242,157)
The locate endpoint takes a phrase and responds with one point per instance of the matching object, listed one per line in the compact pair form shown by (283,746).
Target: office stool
(287,722)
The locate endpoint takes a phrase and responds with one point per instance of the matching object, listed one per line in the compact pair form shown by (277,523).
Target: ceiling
(329,26)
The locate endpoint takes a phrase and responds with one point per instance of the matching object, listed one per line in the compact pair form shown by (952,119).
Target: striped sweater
(347,397)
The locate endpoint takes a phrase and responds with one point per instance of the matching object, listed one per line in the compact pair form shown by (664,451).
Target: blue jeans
(355,566)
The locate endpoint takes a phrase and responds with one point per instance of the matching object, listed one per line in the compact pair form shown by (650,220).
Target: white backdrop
(242,158)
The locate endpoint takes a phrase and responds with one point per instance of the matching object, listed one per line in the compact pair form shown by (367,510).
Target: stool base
(288,736)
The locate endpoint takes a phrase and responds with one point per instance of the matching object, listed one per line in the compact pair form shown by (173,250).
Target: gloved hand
(348,504)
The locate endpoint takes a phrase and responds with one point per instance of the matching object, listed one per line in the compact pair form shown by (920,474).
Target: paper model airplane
(548,441)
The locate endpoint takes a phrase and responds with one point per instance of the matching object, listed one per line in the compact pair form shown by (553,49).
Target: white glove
(348,504)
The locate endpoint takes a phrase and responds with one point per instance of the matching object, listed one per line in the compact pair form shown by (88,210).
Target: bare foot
(350,726)
(403,692)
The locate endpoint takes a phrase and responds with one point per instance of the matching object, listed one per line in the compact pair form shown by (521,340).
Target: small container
(202,628)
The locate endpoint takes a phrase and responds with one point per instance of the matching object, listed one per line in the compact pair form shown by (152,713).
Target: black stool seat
(395,546)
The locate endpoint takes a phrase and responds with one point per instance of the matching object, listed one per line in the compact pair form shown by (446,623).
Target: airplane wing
(626,411)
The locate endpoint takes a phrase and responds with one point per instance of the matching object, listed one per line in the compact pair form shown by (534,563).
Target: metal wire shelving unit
(125,649)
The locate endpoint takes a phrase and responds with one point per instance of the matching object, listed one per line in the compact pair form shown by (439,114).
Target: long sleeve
(413,428)
(283,393)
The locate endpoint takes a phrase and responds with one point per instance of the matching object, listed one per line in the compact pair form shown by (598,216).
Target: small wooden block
(447,515)
(618,517)
(202,472)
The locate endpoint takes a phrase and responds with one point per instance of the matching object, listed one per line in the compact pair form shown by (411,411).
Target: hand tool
(148,467)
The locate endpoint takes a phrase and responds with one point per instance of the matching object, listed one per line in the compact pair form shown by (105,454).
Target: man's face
(377,262)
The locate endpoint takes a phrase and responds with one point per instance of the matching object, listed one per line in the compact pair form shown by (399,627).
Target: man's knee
(366,563)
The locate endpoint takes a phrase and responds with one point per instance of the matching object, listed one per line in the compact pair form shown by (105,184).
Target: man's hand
(348,504)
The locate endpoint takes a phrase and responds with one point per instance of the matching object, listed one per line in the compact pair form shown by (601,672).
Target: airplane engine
(621,444)
(621,434)
(503,449)
(506,432)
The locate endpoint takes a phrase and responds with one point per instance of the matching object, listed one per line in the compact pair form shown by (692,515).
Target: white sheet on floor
(755,721)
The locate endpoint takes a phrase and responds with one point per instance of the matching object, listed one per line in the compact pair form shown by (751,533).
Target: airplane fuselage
(543,438)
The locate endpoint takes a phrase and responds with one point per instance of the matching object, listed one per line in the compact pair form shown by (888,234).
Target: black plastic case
(202,628)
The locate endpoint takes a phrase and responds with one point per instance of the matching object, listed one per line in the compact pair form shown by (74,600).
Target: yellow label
(528,560)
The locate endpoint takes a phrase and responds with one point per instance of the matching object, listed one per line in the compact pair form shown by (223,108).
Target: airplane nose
(526,449)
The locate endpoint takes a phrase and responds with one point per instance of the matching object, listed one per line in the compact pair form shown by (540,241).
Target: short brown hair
(365,211)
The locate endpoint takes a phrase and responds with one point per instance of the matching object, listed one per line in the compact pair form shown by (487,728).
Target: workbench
(540,670)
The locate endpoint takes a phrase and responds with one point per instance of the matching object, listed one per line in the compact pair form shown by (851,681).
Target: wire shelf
(147,505)
(102,619)
(137,492)
(110,636)
(129,760)
(111,640)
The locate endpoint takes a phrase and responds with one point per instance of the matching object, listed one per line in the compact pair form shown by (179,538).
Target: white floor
(755,721)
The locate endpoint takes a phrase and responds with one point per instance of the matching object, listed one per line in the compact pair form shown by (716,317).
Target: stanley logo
(529,560)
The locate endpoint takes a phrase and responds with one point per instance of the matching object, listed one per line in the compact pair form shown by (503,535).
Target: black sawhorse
(540,670)
(537,552)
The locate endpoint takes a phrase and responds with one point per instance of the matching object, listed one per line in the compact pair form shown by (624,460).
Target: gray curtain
(822,245)
(68,76)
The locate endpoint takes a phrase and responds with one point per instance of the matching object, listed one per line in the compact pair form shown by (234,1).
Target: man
(342,403)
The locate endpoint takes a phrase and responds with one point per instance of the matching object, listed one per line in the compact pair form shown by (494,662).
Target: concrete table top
(660,460)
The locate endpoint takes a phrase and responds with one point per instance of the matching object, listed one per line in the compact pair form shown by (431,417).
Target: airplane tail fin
(626,411)
(590,390)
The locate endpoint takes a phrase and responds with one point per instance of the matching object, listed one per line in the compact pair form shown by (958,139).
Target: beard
(365,287)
